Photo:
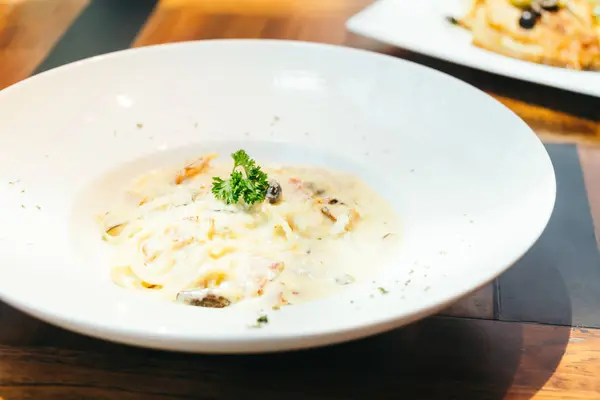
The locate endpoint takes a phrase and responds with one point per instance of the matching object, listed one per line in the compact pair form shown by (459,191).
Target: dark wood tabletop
(532,333)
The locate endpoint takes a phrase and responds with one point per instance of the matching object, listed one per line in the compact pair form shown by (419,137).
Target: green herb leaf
(263,319)
(250,185)
(241,158)
(260,321)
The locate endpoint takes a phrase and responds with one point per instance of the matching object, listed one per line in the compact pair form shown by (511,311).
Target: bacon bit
(295,293)
(278,266)
(297,182)
(325,211)
(261,284)
(211,228)
(282,299)
(195,168)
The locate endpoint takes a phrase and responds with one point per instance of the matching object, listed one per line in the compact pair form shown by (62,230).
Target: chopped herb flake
(140,126)
(452,20)
(382,290)
(260,321)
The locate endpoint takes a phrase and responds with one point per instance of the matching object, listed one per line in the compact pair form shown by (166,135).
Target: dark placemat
(558,280)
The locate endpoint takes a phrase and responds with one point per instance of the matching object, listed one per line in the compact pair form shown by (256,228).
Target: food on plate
(562,33)
(215,234)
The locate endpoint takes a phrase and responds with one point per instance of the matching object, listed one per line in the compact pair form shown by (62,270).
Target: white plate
(472,184)
(421,26)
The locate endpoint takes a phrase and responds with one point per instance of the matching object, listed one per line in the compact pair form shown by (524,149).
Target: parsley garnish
(247,182)
(260,321)
(382,290)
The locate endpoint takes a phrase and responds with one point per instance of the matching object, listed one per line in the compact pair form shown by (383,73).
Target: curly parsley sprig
(247,182)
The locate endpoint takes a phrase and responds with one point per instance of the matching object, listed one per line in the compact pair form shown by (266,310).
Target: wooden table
(465,354)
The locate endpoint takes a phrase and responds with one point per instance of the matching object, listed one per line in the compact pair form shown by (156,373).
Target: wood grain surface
(440,357)
(28,31)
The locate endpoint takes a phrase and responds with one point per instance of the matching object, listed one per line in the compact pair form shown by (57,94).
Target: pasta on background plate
(561,33)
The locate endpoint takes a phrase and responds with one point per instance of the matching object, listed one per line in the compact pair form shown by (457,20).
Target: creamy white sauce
(329,230)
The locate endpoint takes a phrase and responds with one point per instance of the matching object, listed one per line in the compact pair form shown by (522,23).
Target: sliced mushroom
(274,192)
(313,188)
(549,5)
(202,298)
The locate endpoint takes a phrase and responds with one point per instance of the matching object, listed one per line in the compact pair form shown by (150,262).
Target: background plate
(421,26)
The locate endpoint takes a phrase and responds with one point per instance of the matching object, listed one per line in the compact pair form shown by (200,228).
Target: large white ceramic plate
(472,184)
(421,26)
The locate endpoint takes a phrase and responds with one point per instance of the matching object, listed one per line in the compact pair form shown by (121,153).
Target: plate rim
(279,341)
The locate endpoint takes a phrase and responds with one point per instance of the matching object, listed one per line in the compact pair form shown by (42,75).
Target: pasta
(562,33)
(174,239)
